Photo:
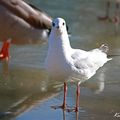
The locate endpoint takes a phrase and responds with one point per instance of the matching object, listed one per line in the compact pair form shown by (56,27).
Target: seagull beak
(58,27)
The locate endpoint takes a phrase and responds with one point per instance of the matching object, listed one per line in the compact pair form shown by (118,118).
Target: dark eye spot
(63,24)
(53,24)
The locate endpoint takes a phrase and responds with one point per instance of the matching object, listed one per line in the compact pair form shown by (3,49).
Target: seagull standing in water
(63,61)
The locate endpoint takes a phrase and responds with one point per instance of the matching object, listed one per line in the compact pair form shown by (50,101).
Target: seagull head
(59,26)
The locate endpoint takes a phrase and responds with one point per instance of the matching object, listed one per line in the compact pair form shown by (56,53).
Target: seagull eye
(53,24)
(63,24)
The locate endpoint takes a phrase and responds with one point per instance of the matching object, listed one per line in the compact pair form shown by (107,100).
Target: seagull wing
(87,62)
(81,59)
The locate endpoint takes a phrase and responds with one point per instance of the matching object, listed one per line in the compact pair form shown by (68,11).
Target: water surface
(26,90)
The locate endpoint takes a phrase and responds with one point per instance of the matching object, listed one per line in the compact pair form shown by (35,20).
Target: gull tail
(4,53)
(104,48)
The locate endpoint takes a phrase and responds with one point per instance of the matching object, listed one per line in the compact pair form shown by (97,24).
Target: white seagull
(63,61)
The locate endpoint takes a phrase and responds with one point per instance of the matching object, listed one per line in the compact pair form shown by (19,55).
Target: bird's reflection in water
(96,83)
(5,69)
(101,82)
(76,115)
(64,115)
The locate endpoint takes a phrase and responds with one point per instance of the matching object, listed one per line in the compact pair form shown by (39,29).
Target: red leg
(65,94)
(63,106)
(76,108)
(77,98)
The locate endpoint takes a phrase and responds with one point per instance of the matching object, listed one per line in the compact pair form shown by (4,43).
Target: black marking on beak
(58,27)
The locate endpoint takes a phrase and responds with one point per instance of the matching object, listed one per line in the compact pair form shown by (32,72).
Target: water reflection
(23,88)
(17,96)
(5,68)
(101,83)
(76,115)
(97,82)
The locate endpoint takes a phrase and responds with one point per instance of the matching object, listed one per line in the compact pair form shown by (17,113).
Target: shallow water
(26,92)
